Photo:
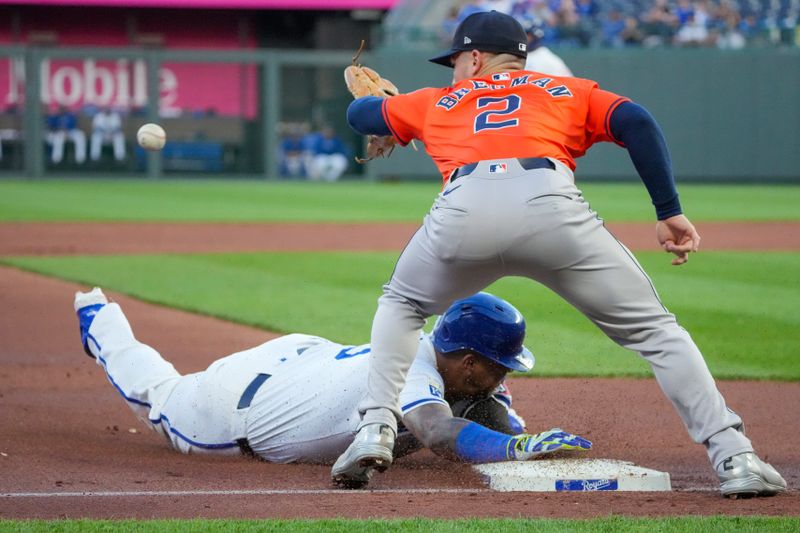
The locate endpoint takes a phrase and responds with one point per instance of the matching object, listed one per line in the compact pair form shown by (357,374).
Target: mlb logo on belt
(498,168)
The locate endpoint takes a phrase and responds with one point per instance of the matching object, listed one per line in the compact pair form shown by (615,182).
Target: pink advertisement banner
(227,4)
(185,88)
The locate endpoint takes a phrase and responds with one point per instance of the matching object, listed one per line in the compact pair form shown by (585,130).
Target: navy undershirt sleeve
(632,125)
(366,117)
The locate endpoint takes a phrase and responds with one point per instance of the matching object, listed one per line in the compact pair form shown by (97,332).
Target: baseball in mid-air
(151,136)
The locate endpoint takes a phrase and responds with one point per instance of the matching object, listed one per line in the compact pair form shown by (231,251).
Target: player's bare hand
(678,236)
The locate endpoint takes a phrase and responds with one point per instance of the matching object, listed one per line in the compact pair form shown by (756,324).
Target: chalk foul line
(249,492)
(267,492)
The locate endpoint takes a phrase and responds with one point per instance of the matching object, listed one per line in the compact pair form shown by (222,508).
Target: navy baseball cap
(487,31)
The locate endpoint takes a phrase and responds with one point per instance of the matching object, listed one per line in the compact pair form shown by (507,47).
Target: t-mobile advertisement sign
(223,89)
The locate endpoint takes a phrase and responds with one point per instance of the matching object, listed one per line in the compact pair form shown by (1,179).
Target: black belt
(528,163)
(244,402)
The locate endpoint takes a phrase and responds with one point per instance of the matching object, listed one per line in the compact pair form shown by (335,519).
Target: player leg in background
(95,145)
(315,165)
(118,140)
(185,409)
(335,165)
(575,255)
(57,140)
(79,140)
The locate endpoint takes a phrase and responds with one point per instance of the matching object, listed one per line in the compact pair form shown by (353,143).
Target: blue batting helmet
(486,325)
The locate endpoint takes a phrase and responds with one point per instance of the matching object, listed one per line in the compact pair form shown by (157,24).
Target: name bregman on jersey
(449,101)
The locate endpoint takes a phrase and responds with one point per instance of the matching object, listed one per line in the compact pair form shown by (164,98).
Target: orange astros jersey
(503,115)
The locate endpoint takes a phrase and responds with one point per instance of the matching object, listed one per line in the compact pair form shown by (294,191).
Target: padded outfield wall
(726,115)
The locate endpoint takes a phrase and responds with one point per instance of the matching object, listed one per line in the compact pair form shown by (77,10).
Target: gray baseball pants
(535,223)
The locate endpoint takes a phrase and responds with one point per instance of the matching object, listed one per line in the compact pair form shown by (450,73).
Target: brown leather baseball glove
(363,81)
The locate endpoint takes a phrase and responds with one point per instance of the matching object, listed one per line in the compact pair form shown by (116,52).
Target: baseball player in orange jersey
(505,141)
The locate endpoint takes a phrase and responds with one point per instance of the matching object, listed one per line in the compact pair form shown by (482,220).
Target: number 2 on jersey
(488,119)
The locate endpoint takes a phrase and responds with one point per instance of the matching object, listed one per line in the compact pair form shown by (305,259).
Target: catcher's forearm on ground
(462,440)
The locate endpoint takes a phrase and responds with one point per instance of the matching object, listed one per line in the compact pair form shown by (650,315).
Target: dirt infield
(67,449)
(48,238)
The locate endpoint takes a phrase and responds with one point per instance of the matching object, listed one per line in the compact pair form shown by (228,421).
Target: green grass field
(246,201)
(609,525)
(743,309)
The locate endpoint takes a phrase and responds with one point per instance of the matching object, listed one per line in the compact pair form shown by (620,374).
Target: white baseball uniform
(107,127)
(292,399)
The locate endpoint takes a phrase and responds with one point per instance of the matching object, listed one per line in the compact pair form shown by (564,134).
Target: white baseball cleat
(93,297)
(370,450)
(745,475)
(87,304)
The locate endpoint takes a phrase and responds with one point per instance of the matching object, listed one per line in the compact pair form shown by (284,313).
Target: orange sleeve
(405,114)
(601,105)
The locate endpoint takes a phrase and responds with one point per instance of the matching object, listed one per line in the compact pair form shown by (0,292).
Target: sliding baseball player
(295,398)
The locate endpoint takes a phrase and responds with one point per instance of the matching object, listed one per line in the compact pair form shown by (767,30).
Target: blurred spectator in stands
(62,125)
(570,28)
(701,22)
(468,8)
(540,58)
(107,129)
(750,28)
(539,9)
(692,33)
(611,28)
(292,152)
(524,10)
(455,15)
(587,9)
(631,34)
(704,12)
(729,37)
(659,24)
(720,14)
(449,25)
(503,6)
(326,155)
(683,11)
(790,31)
(521,9)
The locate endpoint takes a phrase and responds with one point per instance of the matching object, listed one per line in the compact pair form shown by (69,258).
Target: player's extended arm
(632,125)
(461,440)
(365,116)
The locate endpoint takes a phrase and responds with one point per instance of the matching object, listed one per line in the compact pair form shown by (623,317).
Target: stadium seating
(775,22)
